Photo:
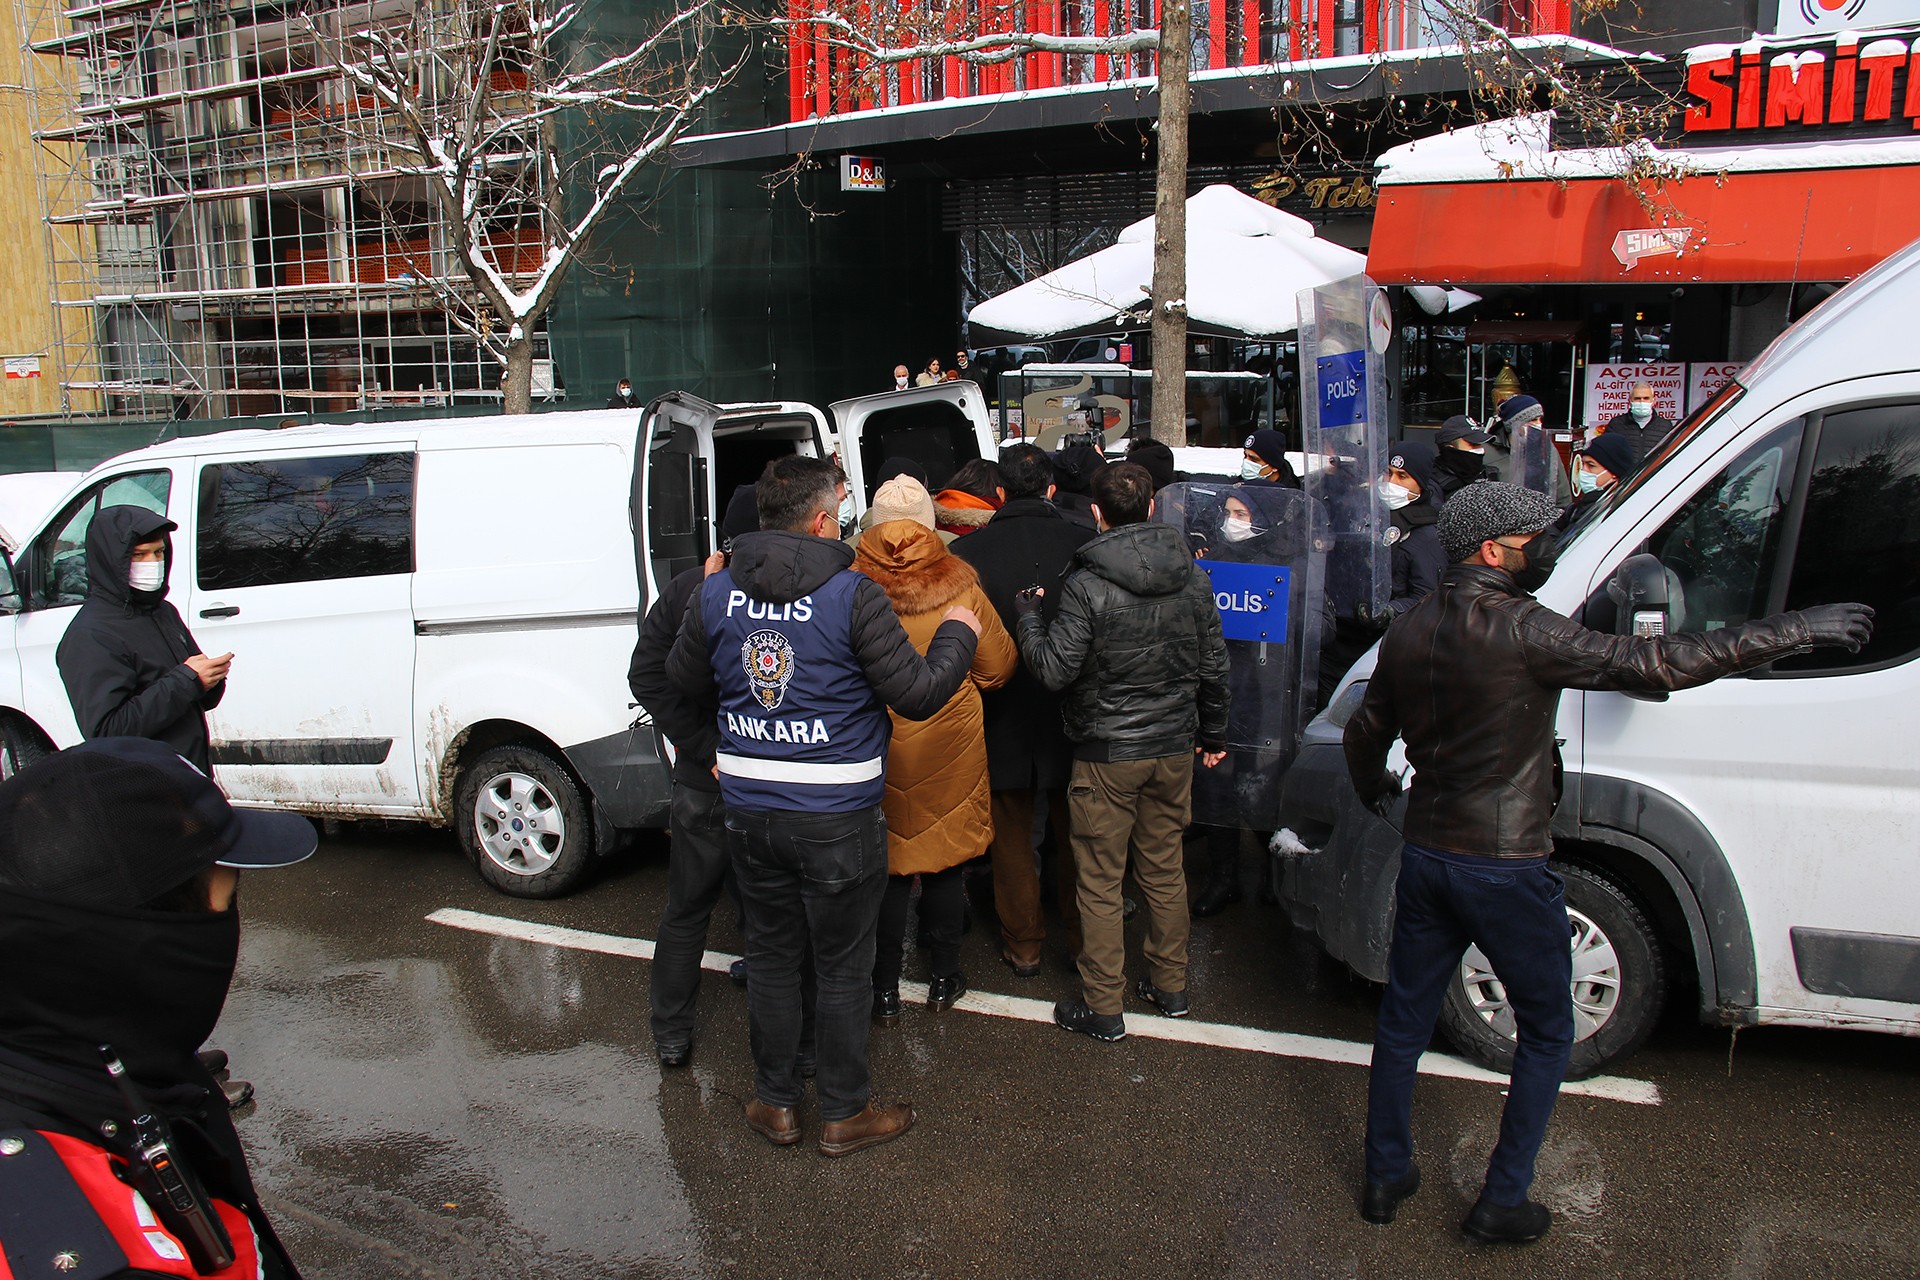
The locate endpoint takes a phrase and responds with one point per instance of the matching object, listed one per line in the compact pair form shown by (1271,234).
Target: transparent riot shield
(1532,460)
(1263,550)
(1344,330)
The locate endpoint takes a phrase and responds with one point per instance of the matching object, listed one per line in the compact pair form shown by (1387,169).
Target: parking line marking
(1220,1035)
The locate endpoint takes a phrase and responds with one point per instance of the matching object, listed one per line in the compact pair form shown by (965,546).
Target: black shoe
(942,992)
(1382,1199)
(886,1007)
(1128,908)
(1491,1223)
(213,1060)
(675,1055)
(1020,970)
(1073,1015)
(1172,1003)
(738,972)
(1215,898)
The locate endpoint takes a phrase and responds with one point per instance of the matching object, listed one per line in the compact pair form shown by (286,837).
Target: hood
(780,567)
(958,509)
(1416,458)
(913,566)
(1147,559)
(111,538)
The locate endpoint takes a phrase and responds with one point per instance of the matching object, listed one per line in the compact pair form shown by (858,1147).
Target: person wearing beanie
(1073,471)
(1462,457)
(1470,678)
(890,467)
(970,498)
(1598,465)
(1157,458)
(938,801)
(698,870)
(1264,460)
(1642,426)
(1411,491)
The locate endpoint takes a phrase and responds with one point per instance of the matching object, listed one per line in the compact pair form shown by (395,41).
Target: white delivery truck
(1752,845)
(433,620)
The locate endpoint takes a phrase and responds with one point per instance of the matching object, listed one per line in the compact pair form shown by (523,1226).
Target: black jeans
(1517,916)
(943,912)
(697,871)
(810,878)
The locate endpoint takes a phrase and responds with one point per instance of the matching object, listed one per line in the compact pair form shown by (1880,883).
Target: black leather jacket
(1471,678)
(1136,644)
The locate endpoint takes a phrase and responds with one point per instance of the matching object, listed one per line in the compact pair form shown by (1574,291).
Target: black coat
(1643,439)
(123,658)
(1027,543)
(660,698)
(1418,557)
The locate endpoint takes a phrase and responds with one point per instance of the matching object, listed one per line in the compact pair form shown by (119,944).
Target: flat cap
(1491,509)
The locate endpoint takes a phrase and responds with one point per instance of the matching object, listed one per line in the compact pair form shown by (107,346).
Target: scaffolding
(239,221)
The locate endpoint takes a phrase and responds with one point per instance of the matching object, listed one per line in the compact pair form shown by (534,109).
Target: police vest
(800,726)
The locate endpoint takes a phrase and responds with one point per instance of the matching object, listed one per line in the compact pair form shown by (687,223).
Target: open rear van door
(941,427)
(672,502)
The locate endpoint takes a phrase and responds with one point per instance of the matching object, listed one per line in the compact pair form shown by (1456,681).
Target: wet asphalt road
(442,1103)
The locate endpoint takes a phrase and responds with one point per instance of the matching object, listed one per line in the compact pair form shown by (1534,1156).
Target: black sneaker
(737,971)
(675,1055)
(1073,1015)
(1491,1223)
(886,1007)
(1172,1003)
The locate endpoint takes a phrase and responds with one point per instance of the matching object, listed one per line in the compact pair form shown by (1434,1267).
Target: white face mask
(1252,468)
(147,575)
(1236,529)
(1475,449)
(1585,481)
(900,382)
(846,512)
(1394,495)
(1640,410)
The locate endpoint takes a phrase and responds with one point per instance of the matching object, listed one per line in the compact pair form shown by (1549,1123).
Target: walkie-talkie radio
(169,1187)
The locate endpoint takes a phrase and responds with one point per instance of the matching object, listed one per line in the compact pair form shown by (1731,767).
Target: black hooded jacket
(123,658)
(1418,557)
(1136,644)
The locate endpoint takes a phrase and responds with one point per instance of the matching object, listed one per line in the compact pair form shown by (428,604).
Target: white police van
(1749,845)
(432,620)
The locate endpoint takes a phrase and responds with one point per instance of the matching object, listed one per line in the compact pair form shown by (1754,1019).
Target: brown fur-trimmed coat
(938,805)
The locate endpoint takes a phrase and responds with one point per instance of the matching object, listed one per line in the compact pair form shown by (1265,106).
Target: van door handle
(221,611)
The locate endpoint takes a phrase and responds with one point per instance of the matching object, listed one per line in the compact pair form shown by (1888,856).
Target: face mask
(1585,482)
(1394,495)
(147,575)
(1537,559)
(846,512)
(1477,450)
(899,384)
(1252,468)
(1640,411)
(1236,529)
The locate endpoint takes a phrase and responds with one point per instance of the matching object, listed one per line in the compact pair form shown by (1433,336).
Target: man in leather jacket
(1471,679)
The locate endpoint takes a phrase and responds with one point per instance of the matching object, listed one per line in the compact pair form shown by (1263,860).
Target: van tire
(524,821)
(1615,1006)
(20,745)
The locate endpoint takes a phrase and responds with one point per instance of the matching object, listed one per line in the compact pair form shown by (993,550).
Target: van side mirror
(1644,598)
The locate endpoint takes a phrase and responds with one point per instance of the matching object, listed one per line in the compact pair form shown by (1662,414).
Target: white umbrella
(1246,264)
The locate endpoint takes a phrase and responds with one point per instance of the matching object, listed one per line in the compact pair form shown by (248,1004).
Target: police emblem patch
(1392,535)
(768,659)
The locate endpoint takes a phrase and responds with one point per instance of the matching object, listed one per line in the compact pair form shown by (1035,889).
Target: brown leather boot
(777,1125)
(870,1128)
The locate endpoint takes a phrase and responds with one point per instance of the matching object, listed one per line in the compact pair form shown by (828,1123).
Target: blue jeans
(1517,916)
(810,879)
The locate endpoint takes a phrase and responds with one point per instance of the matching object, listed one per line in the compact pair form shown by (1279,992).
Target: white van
(433,620)
(1749,845)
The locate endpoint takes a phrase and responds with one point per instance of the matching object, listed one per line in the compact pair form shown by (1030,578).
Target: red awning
(1766,225)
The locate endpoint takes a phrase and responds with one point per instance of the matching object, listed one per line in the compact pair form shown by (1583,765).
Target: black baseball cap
(1460,427)
(116,822)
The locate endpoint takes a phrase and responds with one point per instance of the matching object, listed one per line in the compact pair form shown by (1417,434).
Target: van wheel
(20,746)
(523,821)
(1619,984)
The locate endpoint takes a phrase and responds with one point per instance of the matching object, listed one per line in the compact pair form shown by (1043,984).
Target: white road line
(1218,1034)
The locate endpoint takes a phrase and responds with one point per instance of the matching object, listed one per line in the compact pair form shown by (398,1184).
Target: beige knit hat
(902,498)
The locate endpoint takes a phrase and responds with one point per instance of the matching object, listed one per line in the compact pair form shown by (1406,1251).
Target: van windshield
(1696,422)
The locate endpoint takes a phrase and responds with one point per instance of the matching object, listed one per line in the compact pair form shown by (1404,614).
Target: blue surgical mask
(1252,468)
(846,512)
(1585,482)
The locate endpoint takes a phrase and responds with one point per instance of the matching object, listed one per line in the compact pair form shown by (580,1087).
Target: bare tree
(470,99)
(882,44)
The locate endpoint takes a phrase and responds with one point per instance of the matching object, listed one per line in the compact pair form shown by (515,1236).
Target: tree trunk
(517,382)
(1170,228)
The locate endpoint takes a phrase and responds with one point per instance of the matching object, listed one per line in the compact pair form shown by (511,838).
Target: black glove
(1847,626)
(1387,791)
(1026,601)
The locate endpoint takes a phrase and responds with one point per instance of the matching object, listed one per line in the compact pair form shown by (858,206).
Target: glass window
(277,520)
(1723,544)
(60,554)
(1860,535)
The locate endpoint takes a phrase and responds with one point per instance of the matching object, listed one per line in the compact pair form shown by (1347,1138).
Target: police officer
(1471,678)
(802,657)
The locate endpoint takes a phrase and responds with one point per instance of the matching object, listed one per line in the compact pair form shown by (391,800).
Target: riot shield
(1263,550)
(1344,416)
(1532,459)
